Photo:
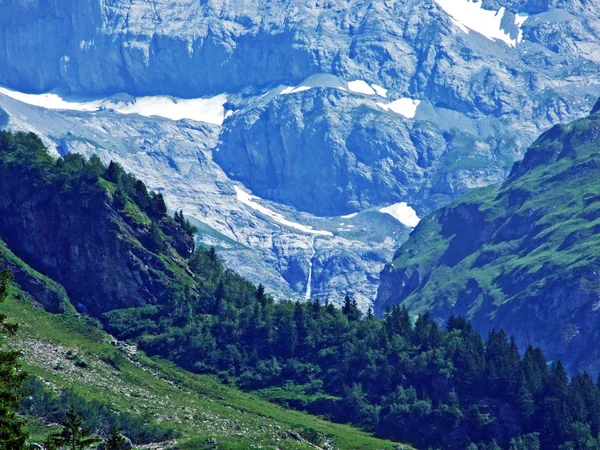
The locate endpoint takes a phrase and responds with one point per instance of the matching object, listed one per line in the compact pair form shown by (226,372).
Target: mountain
(522,255)
(320,110)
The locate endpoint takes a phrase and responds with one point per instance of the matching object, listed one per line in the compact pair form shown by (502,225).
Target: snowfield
(403,213)
(468,15)
(209,110)
(404,106)
(361,87)
(247,200)
(323,80)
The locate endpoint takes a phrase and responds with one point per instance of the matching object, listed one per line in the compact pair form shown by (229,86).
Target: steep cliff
(59,218)
(523,256)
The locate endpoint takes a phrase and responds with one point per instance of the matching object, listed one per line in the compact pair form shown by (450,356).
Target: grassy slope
(198,406)
(547,235)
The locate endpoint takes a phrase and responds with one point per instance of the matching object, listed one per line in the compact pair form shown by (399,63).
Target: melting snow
(247,200)
(405,106)
(468,15)
(403,213)
(50,101)
(361,87)
(209,110)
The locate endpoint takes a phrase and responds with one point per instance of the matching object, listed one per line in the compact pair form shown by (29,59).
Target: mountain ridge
(523,249)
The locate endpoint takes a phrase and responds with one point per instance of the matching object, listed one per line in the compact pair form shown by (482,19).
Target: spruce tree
(12,436)
(116,441)
(72,436)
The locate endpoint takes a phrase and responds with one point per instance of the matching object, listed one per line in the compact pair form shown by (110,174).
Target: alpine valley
(324,111)
(331,224)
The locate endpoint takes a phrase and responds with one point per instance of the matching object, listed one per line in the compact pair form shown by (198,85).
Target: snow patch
(361,87)
(469,15)
(404,106)
(403,213)
(247,200)
(209,110)
(50,101)
(350,216)
(322,80)
(381,91)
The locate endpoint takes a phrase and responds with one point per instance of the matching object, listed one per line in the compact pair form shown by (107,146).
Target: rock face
(332,108)
(523,256)
(63,231)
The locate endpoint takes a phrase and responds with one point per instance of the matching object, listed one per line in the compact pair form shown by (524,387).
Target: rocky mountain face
(63,228)
(523,256)
(322,109)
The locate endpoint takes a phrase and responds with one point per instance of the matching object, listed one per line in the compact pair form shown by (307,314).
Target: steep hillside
(404,380)
(523,256)
(156,401)
(65,219)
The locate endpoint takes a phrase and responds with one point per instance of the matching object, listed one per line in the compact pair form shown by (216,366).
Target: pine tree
(370,315)
(347,306)
(12,436)
(350,309)
(158,206)
(116,441)
(260,294)
(114,172)
(72,436)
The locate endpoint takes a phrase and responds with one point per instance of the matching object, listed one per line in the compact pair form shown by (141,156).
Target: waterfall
(308,292)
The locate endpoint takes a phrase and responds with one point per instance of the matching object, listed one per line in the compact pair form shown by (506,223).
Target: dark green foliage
(350,309)
(501,252)
(115,441)
(88,183)
(407,381)
(127,186)
(157,239)
(185,223)
(12,436)
(404,380)
(72,436)
(158,207)
(98,417)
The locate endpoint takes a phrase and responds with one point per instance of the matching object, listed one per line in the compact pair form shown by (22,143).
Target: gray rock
(312,155)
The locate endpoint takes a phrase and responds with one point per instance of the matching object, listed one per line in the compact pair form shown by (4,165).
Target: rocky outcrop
(64,230)
(322,148)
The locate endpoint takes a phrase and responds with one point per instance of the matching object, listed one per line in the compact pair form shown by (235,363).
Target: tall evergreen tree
(12,435)
(115,441)
(73,435)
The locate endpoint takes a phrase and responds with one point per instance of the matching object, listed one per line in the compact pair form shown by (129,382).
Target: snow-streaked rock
(209,110)
(250,200)
(470,15)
